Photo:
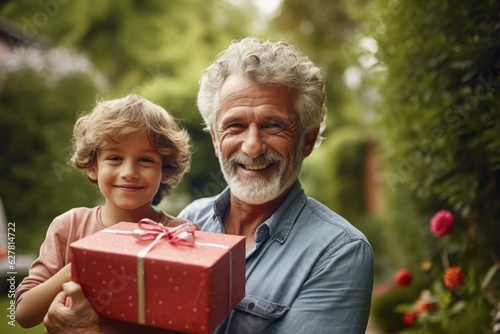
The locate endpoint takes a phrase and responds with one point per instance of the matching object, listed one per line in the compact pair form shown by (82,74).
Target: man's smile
(255,167)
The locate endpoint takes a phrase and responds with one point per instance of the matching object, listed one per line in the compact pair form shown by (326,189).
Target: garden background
(413,128)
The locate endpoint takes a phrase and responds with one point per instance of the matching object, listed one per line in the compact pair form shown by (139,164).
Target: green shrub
(439,111)
(384,309)
(334,174)
(41,93)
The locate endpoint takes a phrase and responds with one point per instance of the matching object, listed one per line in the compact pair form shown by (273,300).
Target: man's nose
(253,142)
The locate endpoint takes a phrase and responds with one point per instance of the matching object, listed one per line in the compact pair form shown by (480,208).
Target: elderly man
(308,270)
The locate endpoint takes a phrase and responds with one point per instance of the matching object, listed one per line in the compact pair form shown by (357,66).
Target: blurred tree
(130,41)
(40,93)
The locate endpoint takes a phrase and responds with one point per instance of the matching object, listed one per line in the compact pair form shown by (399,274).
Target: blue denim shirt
(310,271)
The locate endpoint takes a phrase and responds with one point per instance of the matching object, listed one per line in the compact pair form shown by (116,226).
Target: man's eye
(234,126)
(273,126)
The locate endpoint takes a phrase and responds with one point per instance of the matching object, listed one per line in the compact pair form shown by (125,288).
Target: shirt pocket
(262,308)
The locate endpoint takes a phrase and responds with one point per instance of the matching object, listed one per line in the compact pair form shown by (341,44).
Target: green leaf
(489,275)
(458,307)
(402,308)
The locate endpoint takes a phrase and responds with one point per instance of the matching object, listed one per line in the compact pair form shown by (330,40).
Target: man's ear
(310,140)
(215,142)
(92,173)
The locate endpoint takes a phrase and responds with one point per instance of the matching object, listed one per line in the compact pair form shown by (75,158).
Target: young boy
(136,153)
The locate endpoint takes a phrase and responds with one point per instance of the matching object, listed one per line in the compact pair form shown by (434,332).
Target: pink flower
(403,277)
(453,277)
(442,223)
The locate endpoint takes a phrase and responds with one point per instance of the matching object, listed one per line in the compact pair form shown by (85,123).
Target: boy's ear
(92,173)
(164,178)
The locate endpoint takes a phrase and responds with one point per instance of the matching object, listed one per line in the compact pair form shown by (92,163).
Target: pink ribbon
(151,230)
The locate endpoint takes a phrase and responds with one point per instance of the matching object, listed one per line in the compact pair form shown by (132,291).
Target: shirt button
(251,306)
(281,238)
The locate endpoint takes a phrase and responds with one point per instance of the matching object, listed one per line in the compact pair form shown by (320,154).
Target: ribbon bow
(151,230)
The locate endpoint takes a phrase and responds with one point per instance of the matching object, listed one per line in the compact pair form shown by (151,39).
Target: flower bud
(453,278)
(409,318)
(403,277)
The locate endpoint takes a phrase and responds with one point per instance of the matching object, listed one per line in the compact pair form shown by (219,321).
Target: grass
(13,327)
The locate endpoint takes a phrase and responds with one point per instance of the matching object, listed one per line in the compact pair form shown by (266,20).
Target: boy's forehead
(125,139)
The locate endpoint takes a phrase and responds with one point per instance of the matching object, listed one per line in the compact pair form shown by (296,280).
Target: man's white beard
(259,190)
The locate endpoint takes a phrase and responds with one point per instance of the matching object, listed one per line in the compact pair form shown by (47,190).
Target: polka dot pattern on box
(186,288)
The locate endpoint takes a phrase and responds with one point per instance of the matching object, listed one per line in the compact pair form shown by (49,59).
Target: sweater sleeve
(51,257)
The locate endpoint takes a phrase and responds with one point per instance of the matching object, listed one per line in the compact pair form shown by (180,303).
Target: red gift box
(172,282)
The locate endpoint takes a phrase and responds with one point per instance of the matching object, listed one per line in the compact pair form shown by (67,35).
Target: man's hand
(71,312)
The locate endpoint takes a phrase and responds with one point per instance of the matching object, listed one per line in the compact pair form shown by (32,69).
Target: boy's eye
(148,160)
(114,158)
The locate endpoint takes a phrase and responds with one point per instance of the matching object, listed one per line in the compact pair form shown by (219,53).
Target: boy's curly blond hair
(111,121)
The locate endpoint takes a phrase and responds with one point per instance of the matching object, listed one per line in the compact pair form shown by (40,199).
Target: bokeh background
(413,126)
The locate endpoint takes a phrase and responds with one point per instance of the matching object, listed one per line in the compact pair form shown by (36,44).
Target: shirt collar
(281,222)
(221,203)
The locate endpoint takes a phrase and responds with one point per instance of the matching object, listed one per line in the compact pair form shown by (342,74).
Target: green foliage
(129,41)
(440,71)
(446,86)
(406,229)
(334,174)
(384,311)
(465,309)
(39,107)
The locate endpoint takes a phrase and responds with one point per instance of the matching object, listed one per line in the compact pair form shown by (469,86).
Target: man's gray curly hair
(266,62)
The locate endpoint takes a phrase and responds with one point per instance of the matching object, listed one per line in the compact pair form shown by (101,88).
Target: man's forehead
(241,91)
